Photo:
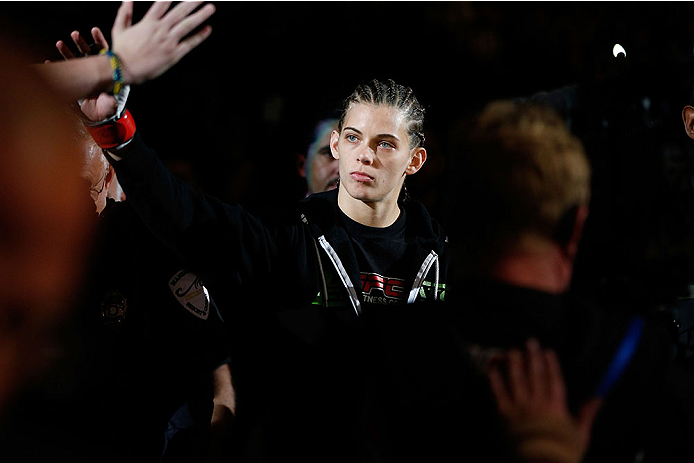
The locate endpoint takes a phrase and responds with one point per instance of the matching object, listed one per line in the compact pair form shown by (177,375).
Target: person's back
(524,189)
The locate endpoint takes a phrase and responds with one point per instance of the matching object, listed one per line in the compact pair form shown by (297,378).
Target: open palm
(97,107)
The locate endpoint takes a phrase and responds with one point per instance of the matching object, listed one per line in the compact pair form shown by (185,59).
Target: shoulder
(320,209)
(322,199)
(421,224)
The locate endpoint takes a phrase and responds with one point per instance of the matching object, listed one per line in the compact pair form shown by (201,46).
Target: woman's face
(374,153)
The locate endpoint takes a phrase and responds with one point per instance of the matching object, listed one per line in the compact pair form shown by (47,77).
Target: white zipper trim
(430,260)
(322,274)
(335,259)
(320,266)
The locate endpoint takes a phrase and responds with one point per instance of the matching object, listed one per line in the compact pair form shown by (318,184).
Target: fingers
(557,388)
(99,38)
(535,389)
(157,10)
(534,383)
(518,380)
(498,386)
(179,12)
(586,417)
(193,41)
(150,47)
(587,414)
(124,17)
(81,44)
(64,50)
(187,25)
(536,369)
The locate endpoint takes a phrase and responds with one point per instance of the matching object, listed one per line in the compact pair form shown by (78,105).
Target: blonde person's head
(522,175)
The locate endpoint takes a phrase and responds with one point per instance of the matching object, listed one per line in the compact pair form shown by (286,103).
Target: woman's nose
(366,155)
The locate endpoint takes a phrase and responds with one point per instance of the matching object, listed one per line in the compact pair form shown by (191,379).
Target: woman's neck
(378,214)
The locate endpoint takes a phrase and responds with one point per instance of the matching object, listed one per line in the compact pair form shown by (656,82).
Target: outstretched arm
(146,50)
(102,106)
(202,230)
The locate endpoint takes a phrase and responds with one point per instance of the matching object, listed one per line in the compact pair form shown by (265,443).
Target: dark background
(239,107)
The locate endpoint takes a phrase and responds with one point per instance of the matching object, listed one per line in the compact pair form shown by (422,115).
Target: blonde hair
(523,172)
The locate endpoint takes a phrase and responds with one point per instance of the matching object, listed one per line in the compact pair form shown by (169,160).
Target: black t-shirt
(383,259)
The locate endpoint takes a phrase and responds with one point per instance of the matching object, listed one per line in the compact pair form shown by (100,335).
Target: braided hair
(391,94)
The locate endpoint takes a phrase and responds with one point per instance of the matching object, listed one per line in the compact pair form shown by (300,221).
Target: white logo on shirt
(191,293)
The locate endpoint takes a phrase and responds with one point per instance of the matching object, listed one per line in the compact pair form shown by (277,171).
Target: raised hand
(82,46)
(103,105)
(146,50)
(153,45)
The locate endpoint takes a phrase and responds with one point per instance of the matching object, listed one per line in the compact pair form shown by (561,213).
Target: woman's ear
(334,138)
(417,161)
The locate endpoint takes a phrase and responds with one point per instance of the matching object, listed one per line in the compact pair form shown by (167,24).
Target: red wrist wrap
(114,133)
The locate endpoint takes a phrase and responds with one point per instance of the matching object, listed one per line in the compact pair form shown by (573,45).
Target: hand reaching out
(104,105)
(532,401)
(82,46)
(145,51)
(153,45)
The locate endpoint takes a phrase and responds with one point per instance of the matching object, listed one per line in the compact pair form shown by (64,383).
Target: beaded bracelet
(117,70)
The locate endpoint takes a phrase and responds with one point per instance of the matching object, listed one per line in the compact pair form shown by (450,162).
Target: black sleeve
(212,237)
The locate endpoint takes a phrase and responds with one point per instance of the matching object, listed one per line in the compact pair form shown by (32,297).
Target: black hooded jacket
(293,287)
(230,245)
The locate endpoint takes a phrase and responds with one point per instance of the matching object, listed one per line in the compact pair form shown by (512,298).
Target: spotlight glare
(617,49)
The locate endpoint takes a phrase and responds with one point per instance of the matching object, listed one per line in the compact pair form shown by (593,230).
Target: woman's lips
(361,176)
